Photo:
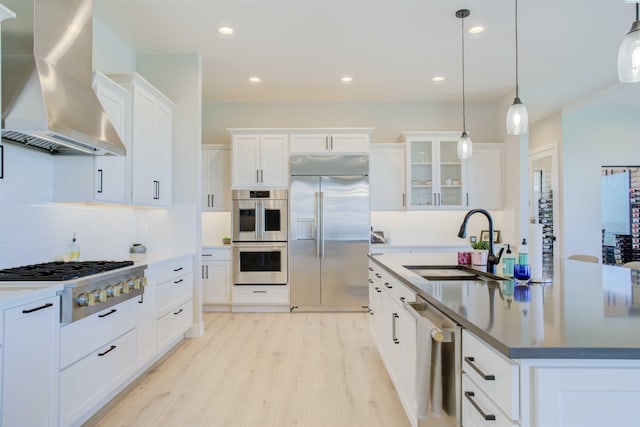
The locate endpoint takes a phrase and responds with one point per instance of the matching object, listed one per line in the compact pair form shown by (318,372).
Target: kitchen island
(570,350)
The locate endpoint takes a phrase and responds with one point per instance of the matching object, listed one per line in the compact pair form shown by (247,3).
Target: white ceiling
(392,48)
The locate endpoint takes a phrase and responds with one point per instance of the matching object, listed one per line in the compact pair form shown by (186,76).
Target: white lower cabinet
(29,381)
(478,410)
(394,331)
(93,378)
(173,283)
(260,295)
(216,276)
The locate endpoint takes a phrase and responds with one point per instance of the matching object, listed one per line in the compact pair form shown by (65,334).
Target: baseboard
(260,309)
(196,331)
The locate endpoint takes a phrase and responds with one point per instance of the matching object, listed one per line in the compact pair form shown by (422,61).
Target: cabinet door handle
(394,316)
(113,310)
(178,312)
(113,347)
(378,276)
(487,417)
(377,289)
(203,272)
(257,175)
(404,200)
(467,199)
(158,190)
(439,199)
(42,307)
(262,176)
(178,269)
(387,285)
(207,271)
(100,172)
(326,143)
(370,269)
(178,281)
(370,281)
(1,161)
(213,200)
(331,138)
(487,377)
(402,299)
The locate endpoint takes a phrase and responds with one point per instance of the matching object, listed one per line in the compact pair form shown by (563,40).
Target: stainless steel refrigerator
(329,232)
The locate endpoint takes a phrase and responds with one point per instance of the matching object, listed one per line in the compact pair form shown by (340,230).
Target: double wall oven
(260,235)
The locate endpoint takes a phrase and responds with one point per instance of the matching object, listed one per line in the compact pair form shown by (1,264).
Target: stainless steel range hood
(47,97)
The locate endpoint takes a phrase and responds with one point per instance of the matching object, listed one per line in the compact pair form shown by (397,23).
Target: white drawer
(495,374)
(218,254)
(173,292)
(85,383)
(84,336)
(473,416)
(260,295)
(171,269)
(175,323)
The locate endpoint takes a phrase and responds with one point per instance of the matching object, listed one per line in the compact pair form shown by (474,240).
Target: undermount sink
(451,273)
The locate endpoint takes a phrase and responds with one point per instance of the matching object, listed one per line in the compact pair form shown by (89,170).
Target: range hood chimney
(47,97)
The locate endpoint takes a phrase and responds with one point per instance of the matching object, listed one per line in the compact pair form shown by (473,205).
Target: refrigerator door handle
(321,216)
(318,219)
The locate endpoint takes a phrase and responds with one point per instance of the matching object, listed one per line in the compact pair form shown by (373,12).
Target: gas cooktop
(58,271)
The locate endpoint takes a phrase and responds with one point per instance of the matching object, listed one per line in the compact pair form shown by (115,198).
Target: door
(273,223)
(245,161)
(344,244)
(274,161)
(451,177)
(246,217)
(543,167)
(304,246)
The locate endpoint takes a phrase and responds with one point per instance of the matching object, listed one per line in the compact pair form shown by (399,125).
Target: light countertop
(588,311)
(17,294)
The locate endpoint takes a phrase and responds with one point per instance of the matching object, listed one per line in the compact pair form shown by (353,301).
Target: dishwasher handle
(437,334)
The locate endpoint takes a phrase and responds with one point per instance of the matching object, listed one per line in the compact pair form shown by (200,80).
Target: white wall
(110,54)
(591,138)
(388,119)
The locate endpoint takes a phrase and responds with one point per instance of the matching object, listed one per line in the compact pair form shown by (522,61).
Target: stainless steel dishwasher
(441,367)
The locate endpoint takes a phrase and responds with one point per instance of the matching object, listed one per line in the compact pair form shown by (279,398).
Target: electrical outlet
(472,239)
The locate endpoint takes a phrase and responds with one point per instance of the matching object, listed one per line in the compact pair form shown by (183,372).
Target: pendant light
(465,147)
(517,117)
(629,53)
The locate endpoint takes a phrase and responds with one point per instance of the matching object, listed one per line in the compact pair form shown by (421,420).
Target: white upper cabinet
(330,141)
(100,179)
(435,177)
(216,173)
(386,177)
(259,160)
(151,142)
(486,176)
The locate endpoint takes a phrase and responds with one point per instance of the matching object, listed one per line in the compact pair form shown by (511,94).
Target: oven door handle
(263,221)
(258,223)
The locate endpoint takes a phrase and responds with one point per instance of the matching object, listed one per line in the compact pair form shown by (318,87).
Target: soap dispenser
(508,260)
(523,253)
(74,249)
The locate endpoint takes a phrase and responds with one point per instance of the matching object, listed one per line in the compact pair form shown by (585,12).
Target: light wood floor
(267,370)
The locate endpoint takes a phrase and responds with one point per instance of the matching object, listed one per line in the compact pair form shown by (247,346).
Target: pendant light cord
(516,17)
(464,120)
(638,11)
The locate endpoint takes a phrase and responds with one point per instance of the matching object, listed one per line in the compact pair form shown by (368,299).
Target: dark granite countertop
(589,311)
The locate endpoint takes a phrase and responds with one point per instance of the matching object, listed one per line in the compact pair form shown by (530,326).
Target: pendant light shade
(517,116)
(629,54)
(465,146)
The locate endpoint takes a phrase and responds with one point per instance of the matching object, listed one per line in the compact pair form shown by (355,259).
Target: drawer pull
(370,269)
(113,310)
(487,417)
(178,281)
(113,347)
(207,254)
(42,307)
(370,281)
(179,311)
(259,292)
(487,377)
(378,276)
(402,299)
(177,269)
(387,285)
(377,289)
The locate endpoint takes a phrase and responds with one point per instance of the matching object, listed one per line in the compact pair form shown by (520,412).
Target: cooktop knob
(125,287)
(131,283)
(137,283)
(86,299)
(100,295)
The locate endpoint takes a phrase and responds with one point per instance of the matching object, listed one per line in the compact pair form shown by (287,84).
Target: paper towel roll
(535,251)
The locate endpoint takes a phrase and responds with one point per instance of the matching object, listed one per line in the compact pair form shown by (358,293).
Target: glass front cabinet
(436,178)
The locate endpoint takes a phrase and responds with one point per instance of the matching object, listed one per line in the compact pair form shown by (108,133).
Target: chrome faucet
(492,259)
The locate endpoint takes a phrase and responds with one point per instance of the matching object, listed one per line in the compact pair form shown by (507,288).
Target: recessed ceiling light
(255,79)
(437,79)
(476,30)
(346,79)
(225,30)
